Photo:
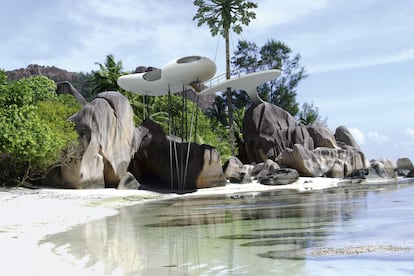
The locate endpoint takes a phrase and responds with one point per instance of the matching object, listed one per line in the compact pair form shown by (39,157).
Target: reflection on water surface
(354,229)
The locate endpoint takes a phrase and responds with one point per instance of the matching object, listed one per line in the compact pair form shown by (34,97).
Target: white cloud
(271,13)
(410,132)
(399,56)
(378,138)
(358,135)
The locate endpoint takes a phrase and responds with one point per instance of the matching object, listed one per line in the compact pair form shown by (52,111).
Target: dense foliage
(189,122)
(183,113)
(309,114)
(35,133)
(33,127)
(282,91)
(213,125)
(223,16)
(106,77)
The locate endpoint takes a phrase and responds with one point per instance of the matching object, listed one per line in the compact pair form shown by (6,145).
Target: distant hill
(51,72)
(82,81)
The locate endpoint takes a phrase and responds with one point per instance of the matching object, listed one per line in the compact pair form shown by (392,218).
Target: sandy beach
(29,215)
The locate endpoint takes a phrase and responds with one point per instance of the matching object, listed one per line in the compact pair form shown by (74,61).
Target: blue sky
(359,54)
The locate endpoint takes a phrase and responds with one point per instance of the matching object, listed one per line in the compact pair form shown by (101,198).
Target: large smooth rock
(236,172)
(106,145)
(382,167)
(322,161)
(268,130)
(269,166)
(232,167)
(404,163)
(404,166)
(282,176)
(345,139)
(337,170)
(322,136)
(161,162)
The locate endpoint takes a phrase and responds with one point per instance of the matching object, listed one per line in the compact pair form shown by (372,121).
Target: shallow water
(356,229)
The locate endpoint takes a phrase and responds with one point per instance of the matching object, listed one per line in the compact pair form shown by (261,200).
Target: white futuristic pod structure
(173,77)
(247,83)
(183,72)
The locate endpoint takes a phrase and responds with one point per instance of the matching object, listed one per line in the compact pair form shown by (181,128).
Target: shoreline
(30,215)
(32,209)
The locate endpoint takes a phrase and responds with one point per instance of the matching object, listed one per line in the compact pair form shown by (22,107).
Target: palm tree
(221,16)
(106,78)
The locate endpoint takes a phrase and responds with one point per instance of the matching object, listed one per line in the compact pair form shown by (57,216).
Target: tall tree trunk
(229,97)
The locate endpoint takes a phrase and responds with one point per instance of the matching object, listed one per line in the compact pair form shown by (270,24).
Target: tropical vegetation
(34,130)
(35,134)
(273,54)
(223,16)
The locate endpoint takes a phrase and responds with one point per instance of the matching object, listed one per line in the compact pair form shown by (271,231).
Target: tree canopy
(273,55)
(309,114)
(106,77)
(221,16)
(34,130)
(224,15)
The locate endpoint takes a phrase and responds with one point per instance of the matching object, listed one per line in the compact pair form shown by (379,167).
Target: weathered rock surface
(270,173)
(268,130)
(323,161)
(383,168)
(268,168)
(107,144)
(338,169)
(153,165)
(404,166)
(66,87)
(128,182)
(272,133)
(345,139)
(51,72)
(236,172)
(281,177)
(233,166)
(322,136)
(404,163)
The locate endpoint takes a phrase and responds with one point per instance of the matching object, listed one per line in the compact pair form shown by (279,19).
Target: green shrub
(34,130)
(205,131)
(209,131)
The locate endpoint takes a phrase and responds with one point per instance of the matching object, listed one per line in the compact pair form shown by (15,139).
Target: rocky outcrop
(232,167)
(382,168)
(52,72)
(106,145)
(236,172)
(322,136)
(268,168)
(66,87)
(268,130)
(162,162)
(404,166)
(281,177)
(345,139)
(267,173)
(272,133)
(323,161)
